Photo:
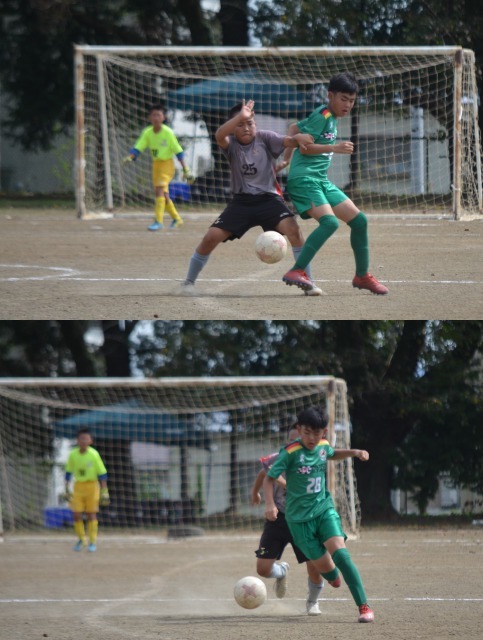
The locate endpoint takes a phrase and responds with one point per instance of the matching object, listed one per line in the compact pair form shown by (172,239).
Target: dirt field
(424,584)
(54,266)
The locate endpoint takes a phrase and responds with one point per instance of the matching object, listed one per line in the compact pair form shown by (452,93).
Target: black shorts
(275,537)
(245,211)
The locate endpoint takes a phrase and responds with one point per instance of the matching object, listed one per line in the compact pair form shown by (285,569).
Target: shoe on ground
(92,547)
(299,278)
(313,608)
(365,613)
(155,226)
(280,586)
(315,291)
(370,283)
(335,583)
(175,223)
(79,545)
(188,288)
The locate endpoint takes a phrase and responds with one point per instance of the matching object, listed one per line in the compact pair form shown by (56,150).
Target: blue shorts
(308,192)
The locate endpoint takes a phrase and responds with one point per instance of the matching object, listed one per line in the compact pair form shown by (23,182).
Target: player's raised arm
(227,129)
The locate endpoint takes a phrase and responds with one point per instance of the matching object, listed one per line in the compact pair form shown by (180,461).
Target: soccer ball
(271,247)
(250,592)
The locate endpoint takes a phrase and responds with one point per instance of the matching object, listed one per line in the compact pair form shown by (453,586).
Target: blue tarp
(134,422)
(221,94)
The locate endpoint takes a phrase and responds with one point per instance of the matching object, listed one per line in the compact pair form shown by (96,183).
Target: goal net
(180,452)
(415,124)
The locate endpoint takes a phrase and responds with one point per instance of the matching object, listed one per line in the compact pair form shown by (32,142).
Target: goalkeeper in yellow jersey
(90,488)
(164,145)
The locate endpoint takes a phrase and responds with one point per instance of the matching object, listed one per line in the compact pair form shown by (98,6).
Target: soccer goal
(178,451)
(415,124)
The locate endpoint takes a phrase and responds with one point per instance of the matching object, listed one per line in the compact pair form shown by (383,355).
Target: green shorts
(305,192)
(310,536)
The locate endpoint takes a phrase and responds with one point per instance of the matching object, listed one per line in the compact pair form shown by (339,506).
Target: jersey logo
(304,470)
(323,454)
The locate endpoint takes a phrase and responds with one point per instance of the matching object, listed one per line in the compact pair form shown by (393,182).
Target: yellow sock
(92,526)
(159,209)
(80,530)
(171,209)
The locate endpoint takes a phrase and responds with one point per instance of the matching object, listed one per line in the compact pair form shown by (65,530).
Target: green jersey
(322,125)
(163,144)
(305,475)
(85,467)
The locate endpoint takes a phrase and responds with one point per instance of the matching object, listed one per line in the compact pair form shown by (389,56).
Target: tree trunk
(233,16)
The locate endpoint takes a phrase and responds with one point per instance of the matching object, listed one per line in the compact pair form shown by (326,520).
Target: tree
(233,17)
(46,348)
(40,84)
(372,23)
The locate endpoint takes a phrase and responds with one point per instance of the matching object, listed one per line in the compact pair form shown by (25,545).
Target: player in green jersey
(164,145)
(313,521)
(86,466)
(276,536)
(314,196)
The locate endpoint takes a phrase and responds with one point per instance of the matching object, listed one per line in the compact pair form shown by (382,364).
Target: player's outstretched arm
(341,454)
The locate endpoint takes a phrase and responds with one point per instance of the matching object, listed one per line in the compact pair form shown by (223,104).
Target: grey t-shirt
(279,493)
(253,165)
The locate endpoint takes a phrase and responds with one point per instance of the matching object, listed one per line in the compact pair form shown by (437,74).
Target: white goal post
(415,124)
(179,451)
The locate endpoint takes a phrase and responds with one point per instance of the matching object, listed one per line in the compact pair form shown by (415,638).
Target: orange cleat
(299,278)
(366,614)
(370,283)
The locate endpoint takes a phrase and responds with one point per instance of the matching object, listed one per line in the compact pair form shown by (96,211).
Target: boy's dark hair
(234,110)
(84,430)
(157,107)
(343,83)
(314,417)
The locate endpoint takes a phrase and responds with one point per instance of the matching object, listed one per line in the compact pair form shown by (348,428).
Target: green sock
(360,243)
(327,226)
(331,575)
(343,561)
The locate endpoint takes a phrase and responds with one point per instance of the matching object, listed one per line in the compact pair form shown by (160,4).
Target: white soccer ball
(250,592)
(271,247)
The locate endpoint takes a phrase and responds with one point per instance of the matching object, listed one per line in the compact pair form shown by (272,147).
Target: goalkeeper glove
(66,496)
(127,159)
(104,500)
(188,176)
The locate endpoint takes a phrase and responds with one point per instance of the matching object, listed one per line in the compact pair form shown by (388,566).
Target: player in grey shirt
(256,195)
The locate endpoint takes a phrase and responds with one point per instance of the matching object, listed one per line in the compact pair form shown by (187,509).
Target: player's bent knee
(359,222)
(330,222)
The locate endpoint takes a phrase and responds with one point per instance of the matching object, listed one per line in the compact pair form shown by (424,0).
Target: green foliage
(36,55)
